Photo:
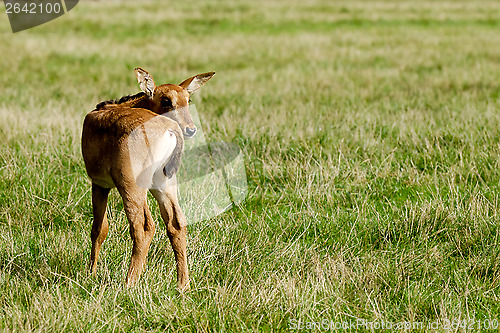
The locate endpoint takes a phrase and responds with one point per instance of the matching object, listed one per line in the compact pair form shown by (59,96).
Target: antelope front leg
(177,235)
(176,230)
(100,224)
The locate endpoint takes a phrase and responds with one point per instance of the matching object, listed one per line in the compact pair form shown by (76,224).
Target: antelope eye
(166,103)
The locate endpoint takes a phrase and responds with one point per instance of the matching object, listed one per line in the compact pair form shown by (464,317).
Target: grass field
(372,148)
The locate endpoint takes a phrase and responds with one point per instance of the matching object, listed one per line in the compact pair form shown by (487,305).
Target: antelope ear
(194,83)
(145,81)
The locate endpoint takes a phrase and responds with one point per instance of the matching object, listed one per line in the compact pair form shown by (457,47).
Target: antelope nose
(189,132)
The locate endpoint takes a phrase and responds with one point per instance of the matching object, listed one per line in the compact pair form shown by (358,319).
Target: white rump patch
(150,146)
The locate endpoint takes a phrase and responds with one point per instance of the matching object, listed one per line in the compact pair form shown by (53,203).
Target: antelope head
(173,100)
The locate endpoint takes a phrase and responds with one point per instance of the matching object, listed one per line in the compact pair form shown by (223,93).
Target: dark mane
(118,100)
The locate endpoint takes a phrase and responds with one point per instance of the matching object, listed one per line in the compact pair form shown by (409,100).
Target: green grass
(372,141)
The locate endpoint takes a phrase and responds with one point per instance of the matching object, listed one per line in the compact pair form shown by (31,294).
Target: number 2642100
(32,8)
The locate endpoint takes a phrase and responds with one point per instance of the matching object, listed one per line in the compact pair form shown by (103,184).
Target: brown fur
(108,163)
(120,100)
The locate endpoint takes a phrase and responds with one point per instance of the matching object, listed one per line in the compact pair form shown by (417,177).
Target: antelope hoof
(183,287)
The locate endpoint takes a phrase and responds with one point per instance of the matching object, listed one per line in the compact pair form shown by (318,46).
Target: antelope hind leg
(176,230)
(142,229)
(100,224)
